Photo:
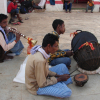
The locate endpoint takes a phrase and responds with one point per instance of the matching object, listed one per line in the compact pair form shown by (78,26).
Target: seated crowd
(22,6)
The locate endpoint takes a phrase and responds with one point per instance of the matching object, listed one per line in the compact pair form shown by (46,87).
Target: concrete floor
(36,27)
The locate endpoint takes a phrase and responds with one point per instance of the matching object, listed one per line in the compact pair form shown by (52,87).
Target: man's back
(33,68)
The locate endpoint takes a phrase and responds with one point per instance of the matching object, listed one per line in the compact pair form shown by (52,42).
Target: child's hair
(57,22)
(2,17)
(49,39)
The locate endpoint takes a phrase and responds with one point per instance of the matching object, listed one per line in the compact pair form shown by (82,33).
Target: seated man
(42,80)
(31,5)
(36,6)
(13,10)
(60,56)
(67,5)
(90,5)
(10,43)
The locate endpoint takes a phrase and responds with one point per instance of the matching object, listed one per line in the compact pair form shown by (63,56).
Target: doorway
(79,4)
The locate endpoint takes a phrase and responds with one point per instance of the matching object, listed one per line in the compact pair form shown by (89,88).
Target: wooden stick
(73,71)
(72,75)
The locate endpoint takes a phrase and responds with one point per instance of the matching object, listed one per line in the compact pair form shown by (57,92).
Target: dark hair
(2,17)
(49,39)
(57,22)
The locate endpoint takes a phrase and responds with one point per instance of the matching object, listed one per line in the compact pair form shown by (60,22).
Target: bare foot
(8,57)
(1,61)
(69,66)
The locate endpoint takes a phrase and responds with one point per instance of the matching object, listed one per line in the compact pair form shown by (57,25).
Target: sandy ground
(36,27)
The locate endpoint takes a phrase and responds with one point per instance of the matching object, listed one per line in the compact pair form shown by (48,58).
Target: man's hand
(13,30)
(58,75)
(64,77)
(18,37)
(69,53)
(16,3)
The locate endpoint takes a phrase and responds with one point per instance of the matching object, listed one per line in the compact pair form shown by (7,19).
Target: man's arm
(9,46)
(5,46)
(50,73)
(14,6)
(41,73)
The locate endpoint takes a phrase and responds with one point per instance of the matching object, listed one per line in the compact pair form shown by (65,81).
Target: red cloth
(11,6)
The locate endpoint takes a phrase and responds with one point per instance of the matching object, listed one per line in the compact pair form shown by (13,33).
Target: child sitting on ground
(13,10)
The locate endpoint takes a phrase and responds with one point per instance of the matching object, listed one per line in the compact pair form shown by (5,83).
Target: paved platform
(36,27)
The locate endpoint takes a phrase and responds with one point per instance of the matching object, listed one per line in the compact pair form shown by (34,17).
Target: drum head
(81,38)
(81,77)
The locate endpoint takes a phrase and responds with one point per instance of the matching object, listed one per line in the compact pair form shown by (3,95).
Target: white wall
(3,6)
(96,6)
(56,7)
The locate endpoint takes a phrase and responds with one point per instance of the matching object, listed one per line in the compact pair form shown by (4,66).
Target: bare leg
(5,56)
(8,57)
(18,17)
(12,16)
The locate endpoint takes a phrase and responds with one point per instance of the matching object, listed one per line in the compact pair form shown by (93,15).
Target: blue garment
(59,89)
(6,39)
(52,2)
(15,11)
(64,60)
(68,6)
(17,49)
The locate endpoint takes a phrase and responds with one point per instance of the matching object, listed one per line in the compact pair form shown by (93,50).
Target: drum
(80,79)
(81,38)
(86,58)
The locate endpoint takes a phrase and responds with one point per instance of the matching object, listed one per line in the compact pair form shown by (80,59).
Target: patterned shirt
(57,54)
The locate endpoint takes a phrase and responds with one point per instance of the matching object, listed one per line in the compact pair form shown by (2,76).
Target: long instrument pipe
(33,41)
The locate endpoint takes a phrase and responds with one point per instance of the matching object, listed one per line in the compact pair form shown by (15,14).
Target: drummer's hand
(57,75)
(69,53)
(18,37)
(63,77)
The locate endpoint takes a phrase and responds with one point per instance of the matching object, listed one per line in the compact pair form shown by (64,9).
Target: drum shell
(88,59)
(81,38)
(81,83)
